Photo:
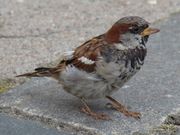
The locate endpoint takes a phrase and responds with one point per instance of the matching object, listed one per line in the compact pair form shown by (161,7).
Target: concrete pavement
(14,126)
(37,32)
(154,92)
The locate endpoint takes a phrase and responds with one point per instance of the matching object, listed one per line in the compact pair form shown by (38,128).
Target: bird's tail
(39,72)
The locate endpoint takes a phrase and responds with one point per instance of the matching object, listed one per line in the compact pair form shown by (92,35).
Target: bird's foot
(97,116)
(119,107)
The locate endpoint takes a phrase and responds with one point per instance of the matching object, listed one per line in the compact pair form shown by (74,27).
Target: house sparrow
(102,65)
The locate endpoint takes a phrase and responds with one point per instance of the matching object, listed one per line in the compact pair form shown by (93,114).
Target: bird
(102,65)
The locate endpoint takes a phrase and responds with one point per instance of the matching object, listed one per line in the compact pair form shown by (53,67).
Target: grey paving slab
(35,32)
(14,126)
(154,92)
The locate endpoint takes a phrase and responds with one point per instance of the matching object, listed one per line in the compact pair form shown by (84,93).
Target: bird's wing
(85,56)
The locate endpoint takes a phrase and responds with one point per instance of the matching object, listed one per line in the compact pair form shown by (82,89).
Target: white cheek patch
(86,60)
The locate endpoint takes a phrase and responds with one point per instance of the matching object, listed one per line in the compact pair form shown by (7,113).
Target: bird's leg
(119,107)
(97,116)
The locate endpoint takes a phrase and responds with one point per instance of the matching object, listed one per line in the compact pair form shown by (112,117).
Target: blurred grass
(164,129)
(6,85)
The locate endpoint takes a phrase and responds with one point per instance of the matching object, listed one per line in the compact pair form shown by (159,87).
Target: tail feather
(39,72)
(40,69)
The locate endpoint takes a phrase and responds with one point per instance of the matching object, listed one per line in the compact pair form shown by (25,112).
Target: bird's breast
(118,63)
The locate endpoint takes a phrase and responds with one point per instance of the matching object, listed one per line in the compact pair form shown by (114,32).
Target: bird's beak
(149,31)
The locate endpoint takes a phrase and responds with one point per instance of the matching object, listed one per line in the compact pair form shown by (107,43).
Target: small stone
(125,86)
(152,2)
(109,106)
(20,1)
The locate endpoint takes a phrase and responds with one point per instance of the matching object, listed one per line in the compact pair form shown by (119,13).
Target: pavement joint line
(71,127)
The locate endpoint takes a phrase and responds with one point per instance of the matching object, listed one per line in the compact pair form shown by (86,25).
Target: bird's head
(130,30)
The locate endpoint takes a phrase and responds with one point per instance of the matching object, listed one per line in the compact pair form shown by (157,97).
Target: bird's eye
(134,29)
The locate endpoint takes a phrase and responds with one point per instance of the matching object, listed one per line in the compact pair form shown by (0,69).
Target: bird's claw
(135,115)
(97,116)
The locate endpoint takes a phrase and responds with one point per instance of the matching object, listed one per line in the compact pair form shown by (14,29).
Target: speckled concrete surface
(14,126)
(154,92)
(35,32)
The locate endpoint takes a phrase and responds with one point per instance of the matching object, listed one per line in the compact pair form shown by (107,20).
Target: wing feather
(86,55)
